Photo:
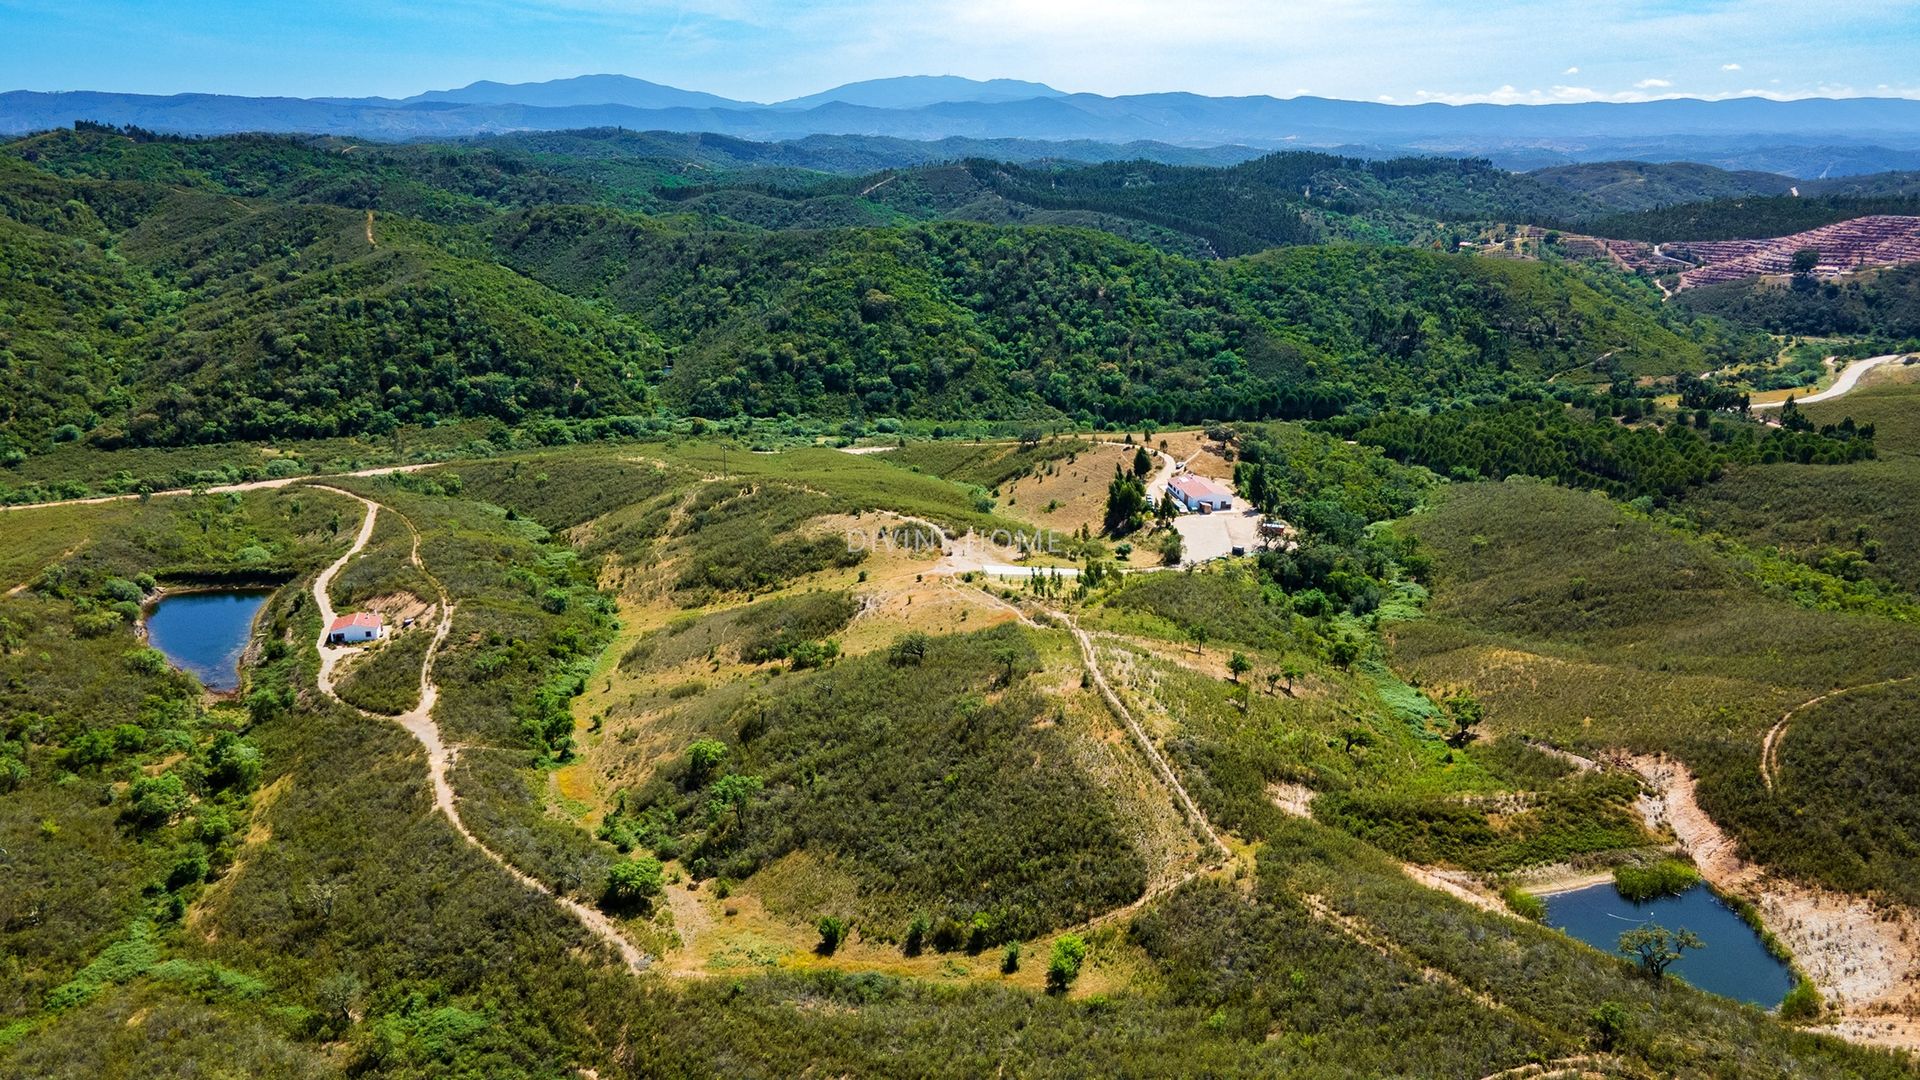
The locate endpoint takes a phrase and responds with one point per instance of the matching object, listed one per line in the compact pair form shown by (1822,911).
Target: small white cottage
(356,629)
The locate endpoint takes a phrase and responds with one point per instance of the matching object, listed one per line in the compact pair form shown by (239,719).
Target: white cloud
(1571,71)
(1653,84)
(1729,67)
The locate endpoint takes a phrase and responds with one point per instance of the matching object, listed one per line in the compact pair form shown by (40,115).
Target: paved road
(1842,386)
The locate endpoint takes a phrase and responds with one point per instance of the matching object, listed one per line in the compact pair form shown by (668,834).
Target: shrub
(1609,1022)
(1172,548)
(156,800)
(916,938)
(232,763)
(832,932)
(704,758)
(1802,1003)
(1524,904)
(1063,966)
(1668,877)
(191,870)
(634,881)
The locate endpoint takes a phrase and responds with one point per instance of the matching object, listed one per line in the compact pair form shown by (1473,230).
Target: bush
(1063,966)
(634,881)
(191,870)
(1802,1003)
(1668,877)
(156,800)
(1609,1022)
(832,932)
(232,763)
(1172,548)
(1524,904)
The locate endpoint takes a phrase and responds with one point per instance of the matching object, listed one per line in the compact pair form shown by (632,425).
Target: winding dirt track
(419,722)
(1770,746)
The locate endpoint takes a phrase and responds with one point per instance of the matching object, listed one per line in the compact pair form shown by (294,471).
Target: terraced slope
(1880,240)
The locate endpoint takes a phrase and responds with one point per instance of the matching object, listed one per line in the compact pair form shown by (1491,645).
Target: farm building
(1199,494)
(358,628)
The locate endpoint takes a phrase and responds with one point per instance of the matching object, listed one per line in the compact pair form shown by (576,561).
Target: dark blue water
(1734,964)
(205,632)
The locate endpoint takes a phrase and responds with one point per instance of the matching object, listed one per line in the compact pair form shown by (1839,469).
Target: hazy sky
(1390,50)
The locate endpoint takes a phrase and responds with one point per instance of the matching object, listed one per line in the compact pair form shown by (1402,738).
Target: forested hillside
(1628,186)
(1881,304)
(170,292)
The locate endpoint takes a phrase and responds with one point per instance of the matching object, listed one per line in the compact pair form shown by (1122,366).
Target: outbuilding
(356,629)
(1199,494)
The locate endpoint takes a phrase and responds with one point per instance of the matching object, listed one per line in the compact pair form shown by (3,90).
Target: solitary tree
(1344,651)
(832,932)
(1239,665)
(733,792)
(1466,713)
(1655,948)
(1142,462)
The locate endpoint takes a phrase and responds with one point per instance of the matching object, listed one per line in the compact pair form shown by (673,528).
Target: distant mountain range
(1811,137)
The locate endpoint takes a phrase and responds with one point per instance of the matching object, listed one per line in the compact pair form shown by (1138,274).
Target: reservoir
(1734,964)
(206,632)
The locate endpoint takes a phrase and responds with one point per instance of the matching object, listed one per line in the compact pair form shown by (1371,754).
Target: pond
(1734,964)
(206,632)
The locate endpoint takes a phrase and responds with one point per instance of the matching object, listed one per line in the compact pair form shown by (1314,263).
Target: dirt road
(222,489)
(1770,746)
(1120,710)
(419,722)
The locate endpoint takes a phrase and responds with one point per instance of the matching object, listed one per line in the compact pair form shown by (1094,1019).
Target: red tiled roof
(1199,487)
(358,618)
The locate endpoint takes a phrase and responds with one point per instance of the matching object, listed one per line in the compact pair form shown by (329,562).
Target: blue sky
(1390,50)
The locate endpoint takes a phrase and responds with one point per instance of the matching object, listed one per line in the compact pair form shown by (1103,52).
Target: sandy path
(419,722)
(1850,377)
(1159,763)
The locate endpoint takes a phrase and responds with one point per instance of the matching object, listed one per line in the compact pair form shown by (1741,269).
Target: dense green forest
(1580,449)
(1754,216)
(1883,305)
(170,292)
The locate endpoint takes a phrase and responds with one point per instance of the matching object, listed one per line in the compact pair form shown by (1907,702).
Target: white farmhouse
(356,629)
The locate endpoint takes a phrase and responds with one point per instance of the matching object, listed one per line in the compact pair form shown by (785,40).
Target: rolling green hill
(1628,186)
(179,291)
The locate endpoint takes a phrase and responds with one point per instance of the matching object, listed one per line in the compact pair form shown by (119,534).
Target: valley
(720,614)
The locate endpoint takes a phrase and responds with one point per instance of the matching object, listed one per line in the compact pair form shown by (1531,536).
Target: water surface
(206,632)
(1734,964)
